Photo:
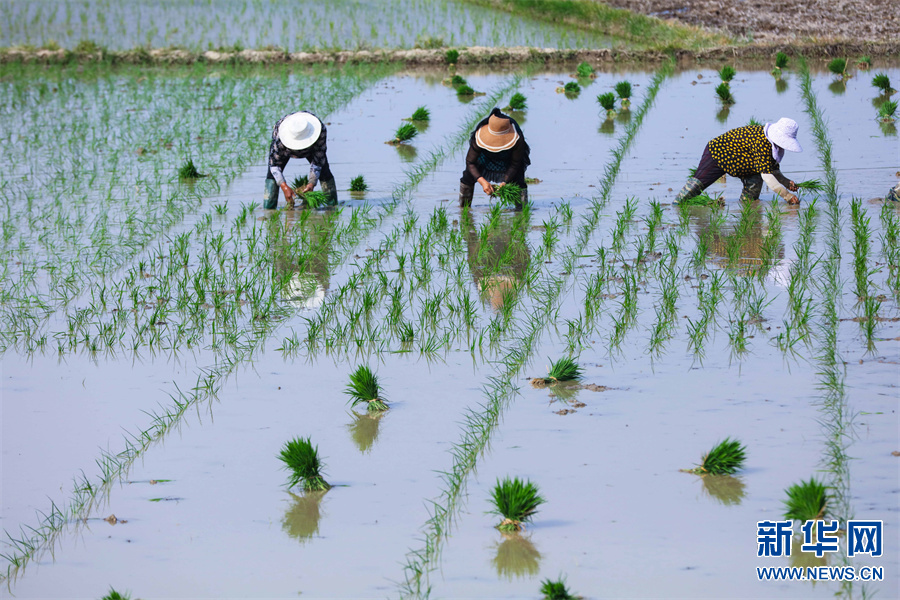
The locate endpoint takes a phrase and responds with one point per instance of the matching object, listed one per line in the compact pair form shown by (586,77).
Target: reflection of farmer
(498,261)
(298,135)
(498,155)
(306,281)
(746,152)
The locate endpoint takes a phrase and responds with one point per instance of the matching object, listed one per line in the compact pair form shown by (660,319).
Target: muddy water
(620,519)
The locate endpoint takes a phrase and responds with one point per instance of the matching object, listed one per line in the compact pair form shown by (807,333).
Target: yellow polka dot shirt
(744,151)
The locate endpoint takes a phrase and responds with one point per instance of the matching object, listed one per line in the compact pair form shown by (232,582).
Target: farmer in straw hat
(298,135)
(497,155)
(746,152)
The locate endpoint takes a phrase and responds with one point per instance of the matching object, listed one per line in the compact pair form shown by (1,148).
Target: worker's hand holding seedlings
(486,186)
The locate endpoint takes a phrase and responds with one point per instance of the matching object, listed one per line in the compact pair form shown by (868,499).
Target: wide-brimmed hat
(299,130)
(499,134)
(783,133)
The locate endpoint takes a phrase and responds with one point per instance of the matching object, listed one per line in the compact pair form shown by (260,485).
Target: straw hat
(499,134)
(783,133)
(300,130)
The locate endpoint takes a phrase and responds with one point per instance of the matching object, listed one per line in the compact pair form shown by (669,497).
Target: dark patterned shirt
(744,151)
(279,155)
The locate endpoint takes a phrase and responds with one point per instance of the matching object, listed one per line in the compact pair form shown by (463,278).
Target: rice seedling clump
(114,595)
(838,66)
(364,387)
(781,61)
(571,89)
(886,111)
(508,193)
(302,460)
(458,80)
(358,184)
(806,500)
(814,185)
(451,56)
(299,182)
(584,70)
(316,199)
(608,102)
(564,369)
(516,501)
(864,63)
(555,590)
(517,102)
(623,91)
(726,458)
(404,133)
(465,90)
(189,170)
(704,200)
(724,93)
(883,83)
(727,73)
(421,114)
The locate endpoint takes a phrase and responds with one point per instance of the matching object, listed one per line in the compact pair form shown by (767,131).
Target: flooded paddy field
(162,340)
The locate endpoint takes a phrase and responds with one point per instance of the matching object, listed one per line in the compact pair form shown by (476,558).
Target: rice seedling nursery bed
(163,339)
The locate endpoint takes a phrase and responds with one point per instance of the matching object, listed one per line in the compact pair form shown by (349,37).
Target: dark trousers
(709,171)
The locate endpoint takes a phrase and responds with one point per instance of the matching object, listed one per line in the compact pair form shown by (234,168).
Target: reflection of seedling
(727,73)
(608,101)
(189,170)
(508,193)
(516,501)
(301,458)
(724,459)
(886,111)
(364,388)
(781,61)
(516,557)
(404,133)
(451,56)
(838,66)
(883,83)
(864,63)
(517,102)
(806,500)
(358,184)
(726,489)
(584,70)
(623,90)
(556,590)
(724,93)
(299,182)
(420,114)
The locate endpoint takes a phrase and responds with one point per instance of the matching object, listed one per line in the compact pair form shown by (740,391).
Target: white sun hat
(783,133)
(300,130)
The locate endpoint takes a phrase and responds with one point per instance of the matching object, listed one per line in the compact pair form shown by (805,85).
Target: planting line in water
(86,493)
(479,425)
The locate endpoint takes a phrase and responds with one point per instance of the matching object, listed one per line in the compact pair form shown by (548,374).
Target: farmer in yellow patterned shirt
(746,152)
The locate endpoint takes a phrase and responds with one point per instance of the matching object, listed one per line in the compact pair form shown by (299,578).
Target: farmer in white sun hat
(746,152)
(497,155)
(298,135)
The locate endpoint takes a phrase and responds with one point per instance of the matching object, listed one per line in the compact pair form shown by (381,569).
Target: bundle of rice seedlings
(864,63)
(189,171)
(704,200)
(883,83)
(556,590)
(838,66)
(608,101)
(886,111)
(727,73)
(517,102)
(726,458)
(724,93)
(584,70)
(781,61)
(806,500)
(451,56)
(508,193)
(814,185)
(516,501)
(114,595)
(570,89)
(420,114)
(364,387)
(358,184)
(565,369)
(301,459)
(299,182)
(404,133)
(458,80)
(465,90)
(623,90)
(316,199)
(753,121)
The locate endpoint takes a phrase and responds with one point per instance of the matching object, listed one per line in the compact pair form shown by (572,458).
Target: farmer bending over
(746,152)
(497,155)
(298,135)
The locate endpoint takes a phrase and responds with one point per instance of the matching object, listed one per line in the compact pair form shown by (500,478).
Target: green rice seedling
(517,101)
(725,458)
(608,102)
(189,171)
(114,595)
(299,182)
(516,501)
(814,185)
(364,387)
(806,501)
(753,121)
(886,111)
(838,66)
(458,80)
(864,63)
(404,133)
(623,91)
(724,93)
(564,369)
(704,200)
(727,73)
(781,61)
(508,194)
(465,90)
(420,114)
(451,56)
(883,83)
(301,458)
(358,184)
(584,70)
(556,590)
(571,89)
(315,199)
